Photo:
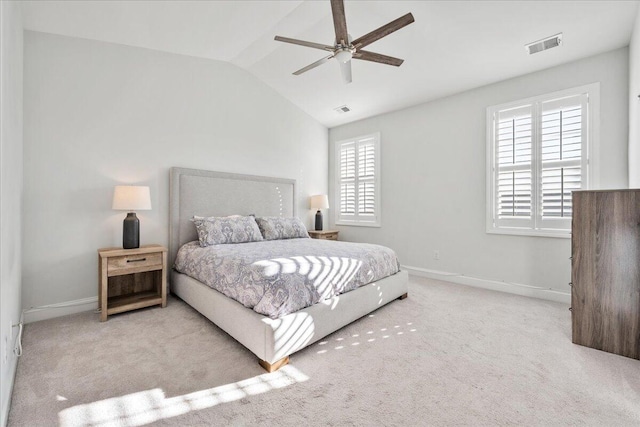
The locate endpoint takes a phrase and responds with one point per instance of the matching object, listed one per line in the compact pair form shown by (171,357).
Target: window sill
(358,224)
(531,233)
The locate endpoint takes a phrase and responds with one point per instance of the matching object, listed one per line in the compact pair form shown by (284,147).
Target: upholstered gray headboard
(206,193)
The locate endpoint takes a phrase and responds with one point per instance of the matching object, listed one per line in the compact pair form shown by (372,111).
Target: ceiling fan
(346,49)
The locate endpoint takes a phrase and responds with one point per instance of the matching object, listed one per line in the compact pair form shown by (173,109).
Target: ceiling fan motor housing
(340,45)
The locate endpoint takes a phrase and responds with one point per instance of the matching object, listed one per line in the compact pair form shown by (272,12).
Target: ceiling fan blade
(340,22)
(345,69)
(385,30)
(314,65)
(377,57)
(304,43)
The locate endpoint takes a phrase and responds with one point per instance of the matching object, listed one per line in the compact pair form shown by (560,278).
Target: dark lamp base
(318,221)
(131,232)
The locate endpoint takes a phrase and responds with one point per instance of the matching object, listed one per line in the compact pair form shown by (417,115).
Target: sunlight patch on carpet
(137,409)
(356,341)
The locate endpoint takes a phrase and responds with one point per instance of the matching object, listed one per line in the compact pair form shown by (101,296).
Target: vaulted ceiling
(453,46)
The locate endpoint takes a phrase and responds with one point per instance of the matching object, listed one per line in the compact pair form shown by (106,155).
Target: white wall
(10,193)
(634,106)
(433,176)
(100,114)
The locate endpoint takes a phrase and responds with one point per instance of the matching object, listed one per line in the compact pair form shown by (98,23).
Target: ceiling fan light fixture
(344,55)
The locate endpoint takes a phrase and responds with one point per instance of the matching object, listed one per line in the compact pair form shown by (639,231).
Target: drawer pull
(136,260)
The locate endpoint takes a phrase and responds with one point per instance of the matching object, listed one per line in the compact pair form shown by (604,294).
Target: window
(538,152)
(357,189)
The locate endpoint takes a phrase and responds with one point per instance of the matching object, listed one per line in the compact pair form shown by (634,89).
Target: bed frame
(197,192)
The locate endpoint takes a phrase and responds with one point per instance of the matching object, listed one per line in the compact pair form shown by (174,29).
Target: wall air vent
(544,44)
(342,109)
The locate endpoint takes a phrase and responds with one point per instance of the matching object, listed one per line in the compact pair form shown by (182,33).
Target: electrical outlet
(436,255)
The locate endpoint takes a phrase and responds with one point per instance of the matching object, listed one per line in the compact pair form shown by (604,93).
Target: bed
(272,340)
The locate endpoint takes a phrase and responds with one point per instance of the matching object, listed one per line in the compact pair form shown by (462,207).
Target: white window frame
(590,173)
(356,220)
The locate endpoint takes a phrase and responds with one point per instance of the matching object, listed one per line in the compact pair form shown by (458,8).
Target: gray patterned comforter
(278,277)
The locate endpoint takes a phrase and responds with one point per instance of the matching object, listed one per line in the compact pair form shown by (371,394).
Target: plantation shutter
(562,131)
(514,166)
(358,181)
(366,178)
(348,180)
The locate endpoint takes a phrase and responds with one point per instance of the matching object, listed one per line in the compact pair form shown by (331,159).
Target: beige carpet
(447,355)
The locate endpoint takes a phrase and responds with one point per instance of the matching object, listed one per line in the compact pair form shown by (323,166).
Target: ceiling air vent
(342,109)
(544,44)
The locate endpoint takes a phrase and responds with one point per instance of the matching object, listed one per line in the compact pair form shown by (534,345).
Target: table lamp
(131,198)
(320,201)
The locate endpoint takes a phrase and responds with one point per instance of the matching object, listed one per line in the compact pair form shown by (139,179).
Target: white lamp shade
(320,201)
(131,198)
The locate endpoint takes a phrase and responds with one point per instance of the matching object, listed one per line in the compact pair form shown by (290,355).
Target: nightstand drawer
(324,234)
(127,264)
(333,236)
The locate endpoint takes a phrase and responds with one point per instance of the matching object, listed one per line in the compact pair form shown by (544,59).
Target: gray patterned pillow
(275,228)
(214,230)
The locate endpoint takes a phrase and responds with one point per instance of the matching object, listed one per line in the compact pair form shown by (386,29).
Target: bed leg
(403,296)
(272,367)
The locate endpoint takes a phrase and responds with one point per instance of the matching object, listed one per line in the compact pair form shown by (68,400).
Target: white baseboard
(512,288)
(60,309)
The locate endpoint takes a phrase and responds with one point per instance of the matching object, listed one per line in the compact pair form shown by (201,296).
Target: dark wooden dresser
(605,271)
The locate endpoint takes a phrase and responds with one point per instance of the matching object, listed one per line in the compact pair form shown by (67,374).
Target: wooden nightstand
(324,234)
(131,279)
